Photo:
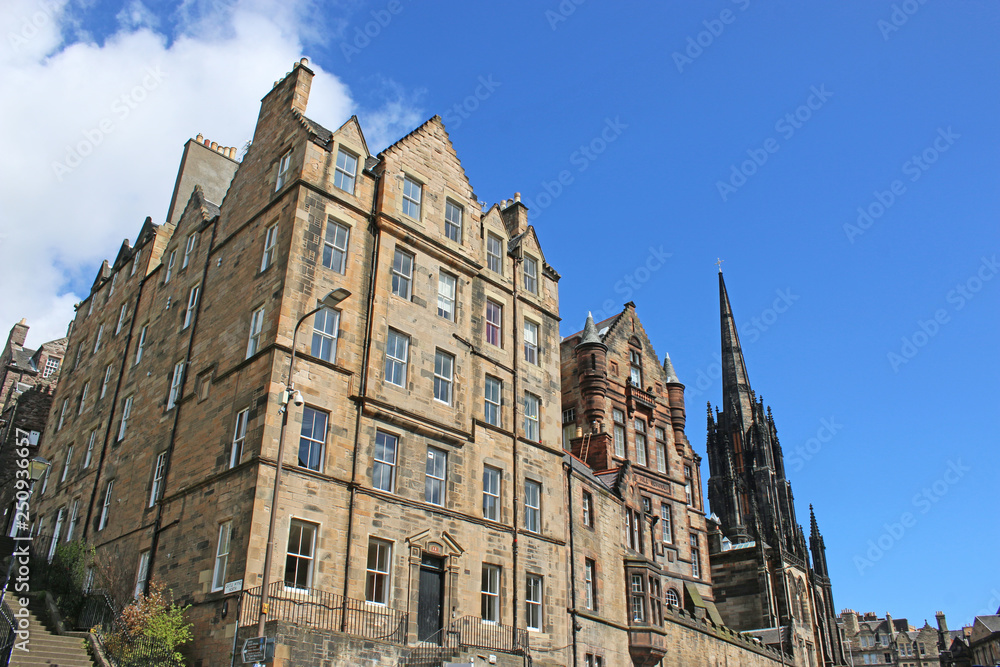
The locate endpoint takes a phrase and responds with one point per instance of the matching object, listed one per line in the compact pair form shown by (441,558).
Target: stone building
(870,640)
(984,642)
(762,577)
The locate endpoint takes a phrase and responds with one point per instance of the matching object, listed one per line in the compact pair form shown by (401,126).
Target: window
(532,506)
(135,263)
(335,246)
(491,593)
(126,413)
(283,165)
(437,466)
(402,273)
(533,601)
(640,442)
(411,197)
(159,470)
(588,509)
(106,381)
(175,385)
(79,354)
(695,558)
(491,493)
(444,370)
(188,249)
(83,397)
(491,409)
(687,483)
(590,584)
(638,596)
(379,560)
(384,468)
(90,449)
(74,518)
(619,419)
(170,266)
(141,345)
(97,341)
(666,523)
(62,414)
(51,366)
(396,351)
(312,438)
(192,302)
(256,326)
(270,241)
(300,555)
(530,269)
(114,281)
(453,221)
(105,506)
(494,253)
(326,330)
(530,342)
(239,437)
(446,296)
(69,459)
(121,318)
(494,322)
(635,368)
(661,449)
(531,428)
(672,598)
(222,555)
(141,574)
(345,171)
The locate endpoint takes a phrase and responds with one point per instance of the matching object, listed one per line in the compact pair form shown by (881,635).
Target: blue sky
(840,157)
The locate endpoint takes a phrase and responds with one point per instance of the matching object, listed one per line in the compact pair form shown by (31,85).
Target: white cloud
(93,132)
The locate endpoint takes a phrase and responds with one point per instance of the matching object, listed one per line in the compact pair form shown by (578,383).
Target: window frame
(140,345)
(441,379)
(530,281)
(97,340)
(436,476)
(533,512)
(620,446)
(106,380)
(531,349)
(490,593)
(159,472)
(494,407)
(331,251)
(666,523)
(394,363)
(409,204)
(256,331)
(171,260)
(450,224)
(222,557)
(122,313)
(491,501)
(51,366)
(384,469)
(310,442)
(239,437)
(450,313)
(189,245)
(342,174)
(402,277)
(587,504)
(309,559)
(494,323)
(270,243)
(176,382)
(494,255)
(378,580)
(590,583)
(192,303)
(83,397)
(324,342)
(284,164)
(635,368)
(66,464)
(102,522)
(126,415)
(89,455)
(533,604)
(641,453)
(532,417)
(695,556)
(141,574)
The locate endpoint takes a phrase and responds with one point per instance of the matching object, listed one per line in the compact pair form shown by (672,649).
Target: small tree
(66,575)
(156,618)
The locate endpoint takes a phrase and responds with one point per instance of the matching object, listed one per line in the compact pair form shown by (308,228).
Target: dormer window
(635,371)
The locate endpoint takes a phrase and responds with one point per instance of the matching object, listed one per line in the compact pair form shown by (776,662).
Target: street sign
(233,586)
(258,650)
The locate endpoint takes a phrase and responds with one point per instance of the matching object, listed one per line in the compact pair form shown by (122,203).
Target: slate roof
(992,623)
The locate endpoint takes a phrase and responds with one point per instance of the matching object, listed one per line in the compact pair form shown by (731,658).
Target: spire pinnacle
(735,382)
(668,370)
(590,335)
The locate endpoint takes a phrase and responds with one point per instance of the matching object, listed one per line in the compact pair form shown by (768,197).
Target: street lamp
(330,301)
(37,468)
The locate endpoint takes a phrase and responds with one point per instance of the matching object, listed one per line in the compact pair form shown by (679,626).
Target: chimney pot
(215,146)
(200,138)
(304,61)
(517,196)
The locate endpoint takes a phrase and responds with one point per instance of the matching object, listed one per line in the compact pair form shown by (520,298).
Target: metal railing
(7,636)
(468,632)
(325,611)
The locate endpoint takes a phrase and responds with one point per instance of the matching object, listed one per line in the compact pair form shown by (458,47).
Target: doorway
(430,608)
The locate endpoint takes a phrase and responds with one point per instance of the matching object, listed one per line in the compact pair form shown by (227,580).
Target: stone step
(43,646)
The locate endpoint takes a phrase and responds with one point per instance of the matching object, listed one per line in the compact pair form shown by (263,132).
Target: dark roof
(770,636)
(992,623)
(21,358)
(317,130)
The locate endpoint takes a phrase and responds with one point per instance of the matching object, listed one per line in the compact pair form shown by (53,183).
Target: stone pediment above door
(434,543)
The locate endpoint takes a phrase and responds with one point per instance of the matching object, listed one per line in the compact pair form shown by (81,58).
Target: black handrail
(8,626)
(465,633)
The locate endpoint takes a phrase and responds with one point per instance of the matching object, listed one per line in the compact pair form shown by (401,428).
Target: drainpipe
(572,554)
(517,483)
(376,231)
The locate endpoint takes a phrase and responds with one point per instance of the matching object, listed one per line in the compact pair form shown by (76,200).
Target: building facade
(870,640)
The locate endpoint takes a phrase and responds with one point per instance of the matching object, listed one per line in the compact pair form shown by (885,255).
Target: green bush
(152,628)
(66,575)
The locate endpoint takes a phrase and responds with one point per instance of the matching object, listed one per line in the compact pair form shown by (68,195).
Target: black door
(429,610)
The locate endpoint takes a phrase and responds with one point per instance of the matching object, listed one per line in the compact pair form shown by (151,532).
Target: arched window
(672,598)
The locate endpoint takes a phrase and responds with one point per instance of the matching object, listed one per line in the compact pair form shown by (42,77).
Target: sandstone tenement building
(453,483)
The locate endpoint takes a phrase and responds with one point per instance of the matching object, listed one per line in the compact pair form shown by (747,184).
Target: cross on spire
(718,262)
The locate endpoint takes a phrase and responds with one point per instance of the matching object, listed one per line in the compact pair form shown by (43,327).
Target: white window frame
(532,421)
(618,419)
(192,239)
(62,414)
(256,327)
(191,304)
(533,594)
(666,523)
(121,318)
(66,465)
(530,277)
(695,556)
(661,449)
(637,596)
(590,583)
(159,470)
(270,243)
(493,401)
(531,342)
(688,484)
(444,376)
(239,437)
(170,266)
(102,523)
(74,518)
(672,598)
(114,281)
(307,559)
(51,366)
(453,225)
(396,360)
(378,572)
(494,323)
(436,476)
(140,345)
(640,442)
(284,163)
(343,177)
(490,593)
(447,292)
(635,368)
(141,574)
(175,385)
(402,273)
(494,253)
(326,333)
(333,253)
(315,423)
(532,506)
(385,456)
(126,414)
(222,549)
(135,263)
(88,457)
(412,197)
(588,509)
(83,397)
(492,478)
(97,341)
(106,381)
